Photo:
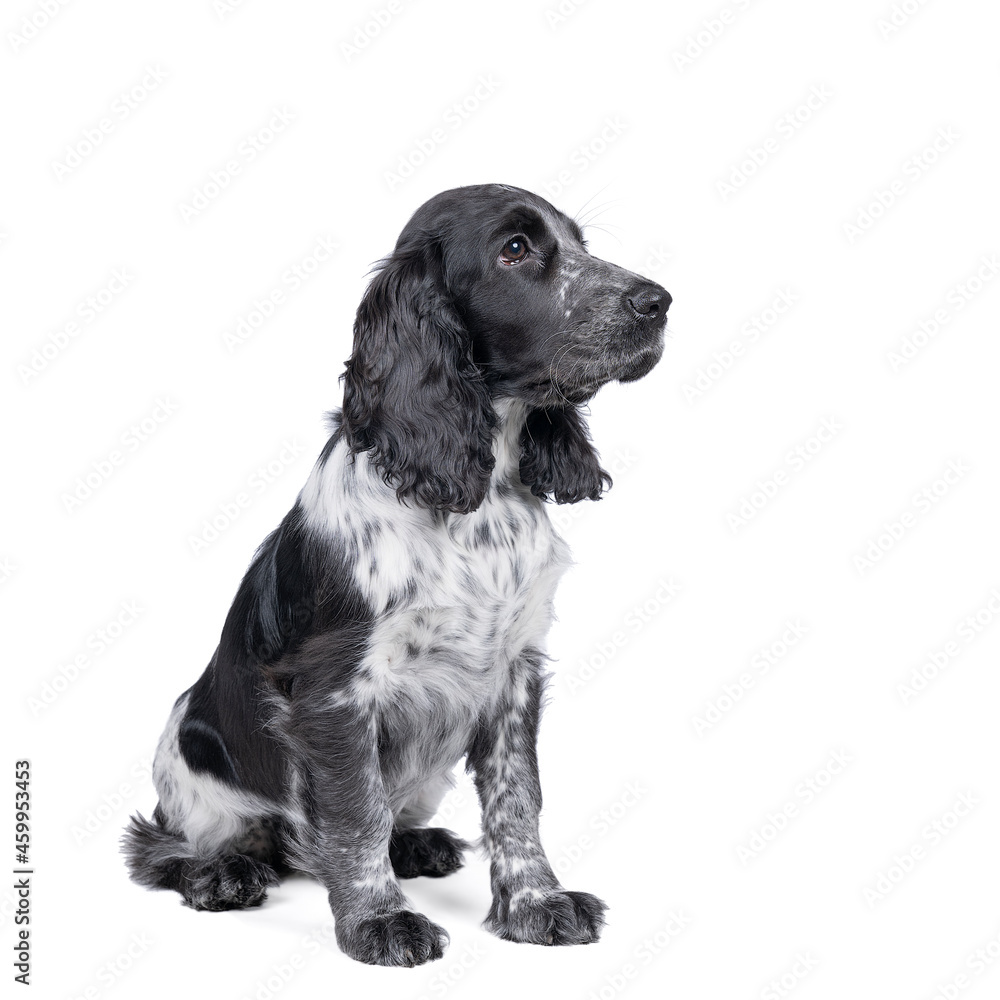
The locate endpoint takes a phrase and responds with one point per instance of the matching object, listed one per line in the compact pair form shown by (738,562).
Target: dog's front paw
(549,916)
(400,938)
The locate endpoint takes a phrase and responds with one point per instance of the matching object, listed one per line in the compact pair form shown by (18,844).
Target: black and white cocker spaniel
(394,622)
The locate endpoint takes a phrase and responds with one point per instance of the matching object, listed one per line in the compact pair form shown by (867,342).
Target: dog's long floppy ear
(412,396)
(557,458)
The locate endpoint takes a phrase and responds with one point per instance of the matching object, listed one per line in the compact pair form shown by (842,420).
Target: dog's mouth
(642,363)
(602,352)
(633,351)
(627,364)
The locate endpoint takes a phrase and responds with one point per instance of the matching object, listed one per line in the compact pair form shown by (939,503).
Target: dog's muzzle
(641,343)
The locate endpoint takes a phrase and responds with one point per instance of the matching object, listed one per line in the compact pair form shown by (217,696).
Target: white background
(643,807)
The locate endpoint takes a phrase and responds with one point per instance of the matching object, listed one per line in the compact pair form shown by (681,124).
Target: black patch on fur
(203,750)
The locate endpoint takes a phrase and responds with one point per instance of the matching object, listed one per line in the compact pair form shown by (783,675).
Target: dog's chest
(456,600)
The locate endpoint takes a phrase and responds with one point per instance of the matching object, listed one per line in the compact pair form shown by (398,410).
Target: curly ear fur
(412,396)
(557,458)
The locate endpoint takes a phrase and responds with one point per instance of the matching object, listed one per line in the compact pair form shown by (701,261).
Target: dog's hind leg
(208,841)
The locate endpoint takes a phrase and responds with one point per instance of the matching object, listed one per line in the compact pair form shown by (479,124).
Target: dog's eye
(514,251)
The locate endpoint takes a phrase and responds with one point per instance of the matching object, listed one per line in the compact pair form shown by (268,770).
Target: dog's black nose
(649,301)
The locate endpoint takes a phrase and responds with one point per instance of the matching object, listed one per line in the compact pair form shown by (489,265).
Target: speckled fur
(395,621)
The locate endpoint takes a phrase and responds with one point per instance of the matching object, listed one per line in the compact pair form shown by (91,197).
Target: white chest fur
(456,598)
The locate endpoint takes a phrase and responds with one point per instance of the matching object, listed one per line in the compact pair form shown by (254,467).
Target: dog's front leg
(347,846)
(529,904)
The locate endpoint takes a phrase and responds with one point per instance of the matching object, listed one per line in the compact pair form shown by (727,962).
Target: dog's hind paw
(232,882)
(426,851)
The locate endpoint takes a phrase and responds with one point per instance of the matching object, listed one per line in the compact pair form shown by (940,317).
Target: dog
(394,621)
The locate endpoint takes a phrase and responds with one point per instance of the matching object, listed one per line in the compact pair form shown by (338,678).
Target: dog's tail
(159,859)
(155,857)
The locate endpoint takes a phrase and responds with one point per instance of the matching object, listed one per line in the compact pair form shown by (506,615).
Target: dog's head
(489,294)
